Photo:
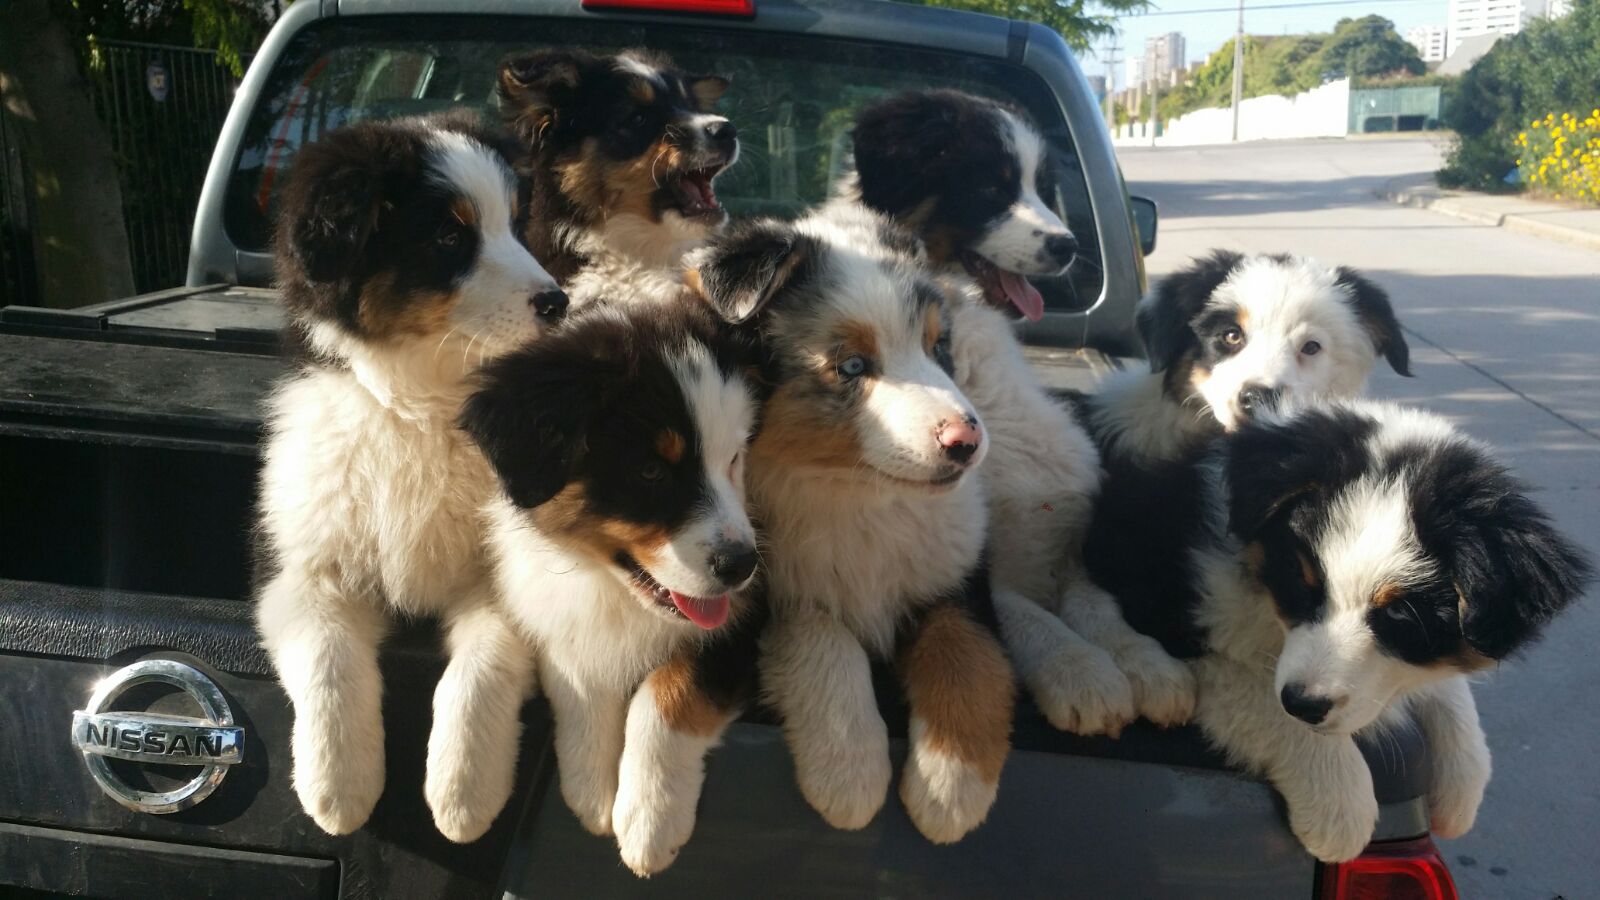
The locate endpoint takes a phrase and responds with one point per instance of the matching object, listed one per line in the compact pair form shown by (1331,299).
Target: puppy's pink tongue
(707,612)
(1023,295)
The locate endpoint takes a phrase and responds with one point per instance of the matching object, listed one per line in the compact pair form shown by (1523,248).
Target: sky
(1204,32)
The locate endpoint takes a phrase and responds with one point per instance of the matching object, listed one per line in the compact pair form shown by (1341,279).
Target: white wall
(1320,112)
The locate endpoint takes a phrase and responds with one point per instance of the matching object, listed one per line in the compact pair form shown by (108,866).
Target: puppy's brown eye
(1311,348)
(448,238)
(652,471)
(1233,337)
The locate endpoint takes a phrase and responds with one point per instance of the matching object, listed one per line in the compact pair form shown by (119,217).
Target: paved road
(1505,337)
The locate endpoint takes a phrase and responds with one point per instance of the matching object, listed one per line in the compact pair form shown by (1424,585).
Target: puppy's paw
(650,834)
(464,806)
(1163,687)
(945,796)
(847,782)
(338,791)
(590,802)
(1334,813)
(1081,690)
(1456,795)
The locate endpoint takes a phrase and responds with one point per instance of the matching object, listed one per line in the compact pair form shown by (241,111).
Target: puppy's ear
(530,417)
(1274,465)
(1512,571)
(900,147)
(1377,317)
(535,88)
(332,203)
(742,273)
(1163,318)
(707,90)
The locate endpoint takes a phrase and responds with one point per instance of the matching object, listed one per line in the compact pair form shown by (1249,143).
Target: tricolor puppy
(865,477)
(1232,335)
(623,550)
(1343,567)
(622,152)
(968,177)
(400,268)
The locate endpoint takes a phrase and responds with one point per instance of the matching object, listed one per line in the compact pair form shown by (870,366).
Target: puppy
(968,177)
(1339,569)
(622,153)
(623,550)
(1232,335)
(864,476)
(400,269)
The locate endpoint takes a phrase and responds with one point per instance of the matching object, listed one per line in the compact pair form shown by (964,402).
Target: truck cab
(128,463)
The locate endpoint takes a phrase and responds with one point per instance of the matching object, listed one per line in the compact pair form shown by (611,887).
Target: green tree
(1553,66)
(1368,47)
(1074,20)
(46,58)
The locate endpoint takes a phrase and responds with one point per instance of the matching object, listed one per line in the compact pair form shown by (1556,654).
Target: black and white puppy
(1334,570)
(1231,335)
(968,177)
(400,267)
(865,476)
(623,551)
(622,152)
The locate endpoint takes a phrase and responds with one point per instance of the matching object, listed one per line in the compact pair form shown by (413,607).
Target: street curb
(1422,193)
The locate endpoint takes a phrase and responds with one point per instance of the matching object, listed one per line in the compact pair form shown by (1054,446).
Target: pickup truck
(146,743)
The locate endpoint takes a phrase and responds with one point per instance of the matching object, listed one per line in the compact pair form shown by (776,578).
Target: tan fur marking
(617,188)
(941,243)
(567,518)
(932,328)
(960,685)
(796,430)
(683,706)
(464,211)
(670,445)
(1308,572)
(1385,594)
(642,91)
(384,312)
(857,339)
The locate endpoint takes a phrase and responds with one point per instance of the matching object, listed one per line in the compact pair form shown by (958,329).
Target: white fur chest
(867,558)
(585,621)
(390,501)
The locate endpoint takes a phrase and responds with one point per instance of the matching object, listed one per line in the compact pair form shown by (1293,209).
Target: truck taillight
(711,7)
(1395,870)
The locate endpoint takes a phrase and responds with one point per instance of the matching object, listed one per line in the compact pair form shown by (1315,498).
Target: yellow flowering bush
(1560,156)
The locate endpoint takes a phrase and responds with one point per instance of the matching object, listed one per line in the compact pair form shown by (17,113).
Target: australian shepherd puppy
(1231,335)
(399,265)
(1335,571)
(968,177)
(865,478)
(622,154)
(623,551)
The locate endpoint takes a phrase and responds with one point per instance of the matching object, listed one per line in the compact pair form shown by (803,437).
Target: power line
(1254,7)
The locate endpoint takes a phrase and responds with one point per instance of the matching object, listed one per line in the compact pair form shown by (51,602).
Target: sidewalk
(1538,218)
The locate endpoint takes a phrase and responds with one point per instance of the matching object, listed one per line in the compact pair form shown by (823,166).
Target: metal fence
(1378,110)
(162,108)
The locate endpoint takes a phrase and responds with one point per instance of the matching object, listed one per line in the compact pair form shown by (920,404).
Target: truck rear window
(793,98)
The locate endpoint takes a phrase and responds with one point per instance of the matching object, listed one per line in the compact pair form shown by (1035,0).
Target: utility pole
(1155,109)
(1238,70)
(1111,83)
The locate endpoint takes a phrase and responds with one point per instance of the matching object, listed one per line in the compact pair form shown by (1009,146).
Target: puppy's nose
(722,132)
(1308,709)
(1258,397)
(734,563)
(1061,248)
(550,305)
(960,438)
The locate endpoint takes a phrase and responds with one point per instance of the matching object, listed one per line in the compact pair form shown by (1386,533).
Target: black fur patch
(1165,320)
(586,403)
(1372,307)
(750,266)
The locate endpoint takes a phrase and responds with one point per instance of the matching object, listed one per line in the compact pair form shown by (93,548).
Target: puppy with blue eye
(1336,571)
(866,476)
(623,551)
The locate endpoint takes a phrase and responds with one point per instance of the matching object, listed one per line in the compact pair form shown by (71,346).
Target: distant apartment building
(1136,72)
(1470,18)
(1163,55)
(1429,41)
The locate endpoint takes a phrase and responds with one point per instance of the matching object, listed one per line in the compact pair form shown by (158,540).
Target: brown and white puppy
(623,551)
(968,177)
(400,268)
(622,154)
(866,478)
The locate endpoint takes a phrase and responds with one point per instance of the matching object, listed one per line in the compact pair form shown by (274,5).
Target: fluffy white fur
(369,502)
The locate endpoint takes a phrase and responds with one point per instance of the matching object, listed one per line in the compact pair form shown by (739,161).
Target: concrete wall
(1320,112)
